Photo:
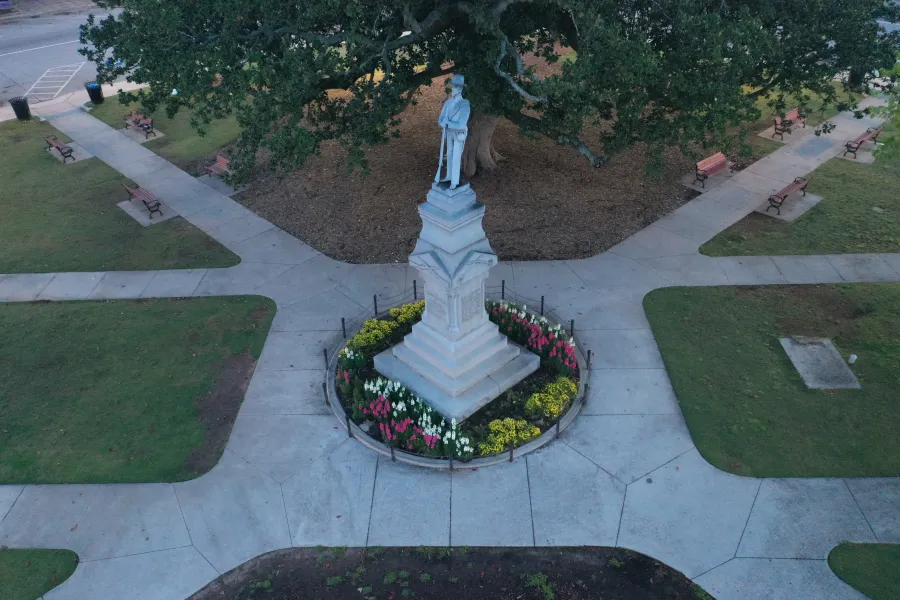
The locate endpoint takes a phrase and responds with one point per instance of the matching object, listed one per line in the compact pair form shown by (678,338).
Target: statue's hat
(458,80)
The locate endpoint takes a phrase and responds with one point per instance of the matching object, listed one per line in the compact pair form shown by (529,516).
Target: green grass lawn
(873,569)
(182,145)
(64,217)
(844,222)
(115,391)
(29,574)
(747,408)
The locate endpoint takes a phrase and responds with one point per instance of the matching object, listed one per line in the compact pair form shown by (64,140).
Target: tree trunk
(479,153)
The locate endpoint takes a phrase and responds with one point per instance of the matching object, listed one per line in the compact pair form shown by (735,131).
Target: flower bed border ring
(399,455)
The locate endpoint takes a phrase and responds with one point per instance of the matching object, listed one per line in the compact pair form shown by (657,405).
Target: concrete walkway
(626,473)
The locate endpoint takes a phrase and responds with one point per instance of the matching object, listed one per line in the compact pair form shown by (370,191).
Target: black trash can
(20,107)
(95,92)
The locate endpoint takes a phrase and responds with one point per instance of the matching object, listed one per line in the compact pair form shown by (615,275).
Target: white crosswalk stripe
(53,82)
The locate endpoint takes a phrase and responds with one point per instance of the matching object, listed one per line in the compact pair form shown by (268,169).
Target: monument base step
(467,403)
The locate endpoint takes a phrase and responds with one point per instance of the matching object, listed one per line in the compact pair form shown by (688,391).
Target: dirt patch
(545,202)
(824,311)
(218,409)
(443,573)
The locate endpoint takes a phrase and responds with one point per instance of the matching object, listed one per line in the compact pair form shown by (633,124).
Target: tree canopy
(664,72)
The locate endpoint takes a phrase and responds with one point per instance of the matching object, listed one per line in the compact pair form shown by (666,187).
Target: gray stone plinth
(137,211)
(819,363)
(465,404)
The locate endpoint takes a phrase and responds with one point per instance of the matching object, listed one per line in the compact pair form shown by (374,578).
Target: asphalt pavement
(39,58)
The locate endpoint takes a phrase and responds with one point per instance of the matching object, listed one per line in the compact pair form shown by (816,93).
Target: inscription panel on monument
(436,306)
(472,305)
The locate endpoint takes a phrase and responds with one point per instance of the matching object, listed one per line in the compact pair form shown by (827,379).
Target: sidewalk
(626,473)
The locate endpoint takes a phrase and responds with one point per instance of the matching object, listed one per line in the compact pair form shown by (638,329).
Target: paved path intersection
(626,473)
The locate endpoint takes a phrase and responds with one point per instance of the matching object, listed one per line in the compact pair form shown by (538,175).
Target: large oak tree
(664,72)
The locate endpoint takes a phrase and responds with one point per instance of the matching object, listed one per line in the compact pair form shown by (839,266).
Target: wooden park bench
(220,166)
(149,200)
(870,134)
(777,199)
(64,149)
(786,124)
(138,120)
(708,167)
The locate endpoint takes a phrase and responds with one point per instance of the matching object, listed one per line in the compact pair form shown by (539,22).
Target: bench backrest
(791,115)
(713,163)
(222,160)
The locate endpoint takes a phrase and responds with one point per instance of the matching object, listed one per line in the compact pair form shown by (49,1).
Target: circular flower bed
(393,414)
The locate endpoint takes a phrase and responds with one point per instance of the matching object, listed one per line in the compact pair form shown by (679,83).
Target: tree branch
(504,42)
(534,124)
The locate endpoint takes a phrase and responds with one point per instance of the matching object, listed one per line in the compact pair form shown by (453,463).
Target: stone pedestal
(455,358)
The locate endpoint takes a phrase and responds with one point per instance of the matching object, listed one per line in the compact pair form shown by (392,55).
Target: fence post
(542,306)
(557,425)
(393,458)
(415,291)
(344,327)
(325,355)
(503,289)
(375,302)
(349,431)
(589,360)
(572,328)
(510,452)
(325,391)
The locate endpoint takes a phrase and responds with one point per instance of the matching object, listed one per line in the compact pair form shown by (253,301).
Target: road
(44,49)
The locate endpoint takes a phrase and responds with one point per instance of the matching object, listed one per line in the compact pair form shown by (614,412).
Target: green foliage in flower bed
(399,418)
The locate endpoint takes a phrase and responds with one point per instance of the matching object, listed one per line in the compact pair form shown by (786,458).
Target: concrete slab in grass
(290,350)
(893,261)
(621,348)
(151,576)
(45,515)
(233,513)
(862,267)
(792,209)
(174,284)
(329,503)
(322,312)
(139,136)
(806,269)
(283,445)
(8,496)
(140,213)
(275,246)
(285,393)
(560,477)
(123,284)
(70,286)
(629,446)
(129,519)
(78,153)
(25,287)
(879,500)
(756,578)
(802,518)
(491,507)
(631,392)
(410,506)
(864,155)
(688,514)
(750,270)
(819,363)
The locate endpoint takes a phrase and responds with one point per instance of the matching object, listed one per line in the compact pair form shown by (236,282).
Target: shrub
(504,432)
(373,337)
(552,399)
(408,314)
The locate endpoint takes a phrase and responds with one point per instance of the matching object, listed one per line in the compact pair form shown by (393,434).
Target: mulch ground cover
(444,574)
(545,202)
